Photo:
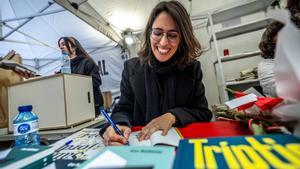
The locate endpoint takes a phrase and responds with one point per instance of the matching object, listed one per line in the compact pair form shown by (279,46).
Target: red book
(214,129)
(211,129)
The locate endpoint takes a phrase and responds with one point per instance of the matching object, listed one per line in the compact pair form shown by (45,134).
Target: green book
(28,157)
(157,157)
(263,151)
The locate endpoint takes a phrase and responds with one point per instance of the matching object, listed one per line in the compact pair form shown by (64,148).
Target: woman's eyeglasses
(157,34)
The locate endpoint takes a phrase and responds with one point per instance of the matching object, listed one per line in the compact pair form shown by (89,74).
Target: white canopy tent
(40,23)
(32,28)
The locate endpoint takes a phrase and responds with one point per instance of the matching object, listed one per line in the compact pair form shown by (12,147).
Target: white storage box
(60,101)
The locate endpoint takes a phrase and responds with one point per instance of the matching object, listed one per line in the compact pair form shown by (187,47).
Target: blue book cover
(264,151)
(158,157)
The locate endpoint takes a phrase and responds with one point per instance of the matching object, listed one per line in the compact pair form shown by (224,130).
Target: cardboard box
(60,101)
(7,77)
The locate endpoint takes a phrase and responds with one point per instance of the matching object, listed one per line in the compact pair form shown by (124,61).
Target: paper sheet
(241,101)
(172,139)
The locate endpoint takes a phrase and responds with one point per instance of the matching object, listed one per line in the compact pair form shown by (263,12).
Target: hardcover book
(7,63)
(67,164)
(81,145)
(129,157)
(264,151)
(28,157)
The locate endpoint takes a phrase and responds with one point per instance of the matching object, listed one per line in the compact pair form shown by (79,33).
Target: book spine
(177,163)
(178,132)
(40,163)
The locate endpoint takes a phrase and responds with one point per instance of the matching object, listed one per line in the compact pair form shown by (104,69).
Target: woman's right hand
(111,138)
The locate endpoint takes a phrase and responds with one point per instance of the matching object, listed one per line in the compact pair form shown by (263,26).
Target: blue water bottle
(26,127)
(66,63)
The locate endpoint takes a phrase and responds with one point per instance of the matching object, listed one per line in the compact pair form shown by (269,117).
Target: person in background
(163,86)
(82,63)
(265,69)
(294,7)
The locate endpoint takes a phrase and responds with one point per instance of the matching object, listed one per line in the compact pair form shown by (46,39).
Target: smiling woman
(163,86)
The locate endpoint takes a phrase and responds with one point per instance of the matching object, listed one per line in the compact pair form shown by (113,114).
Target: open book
(171,139)
(12,65)
(7,63)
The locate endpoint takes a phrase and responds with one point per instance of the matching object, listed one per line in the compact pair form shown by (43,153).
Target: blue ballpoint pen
(68,142)
(109,120)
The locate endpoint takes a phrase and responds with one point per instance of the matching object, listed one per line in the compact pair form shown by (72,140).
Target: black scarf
(160,81)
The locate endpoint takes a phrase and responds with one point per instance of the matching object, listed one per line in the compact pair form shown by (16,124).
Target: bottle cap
(25,108)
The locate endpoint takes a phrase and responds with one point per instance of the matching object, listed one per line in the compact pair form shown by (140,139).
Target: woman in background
(82,63)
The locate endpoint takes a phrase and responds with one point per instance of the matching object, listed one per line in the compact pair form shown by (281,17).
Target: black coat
(86,66)
(189,105)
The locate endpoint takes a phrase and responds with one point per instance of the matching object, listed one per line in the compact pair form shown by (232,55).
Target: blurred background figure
(267,47)
(294,7)
(82,63)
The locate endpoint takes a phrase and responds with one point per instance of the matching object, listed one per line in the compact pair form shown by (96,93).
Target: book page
(133,140)
(171,139)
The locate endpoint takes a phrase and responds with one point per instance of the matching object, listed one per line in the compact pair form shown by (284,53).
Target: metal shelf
(243,28)
(240,10)
(255,81)
(234,10)
(238,56)
(227,13)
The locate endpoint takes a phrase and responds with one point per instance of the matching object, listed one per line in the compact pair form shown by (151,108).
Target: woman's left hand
(163,122)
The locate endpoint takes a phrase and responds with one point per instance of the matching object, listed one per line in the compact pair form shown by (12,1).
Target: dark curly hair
(267,44)
(189,47)
(294,7)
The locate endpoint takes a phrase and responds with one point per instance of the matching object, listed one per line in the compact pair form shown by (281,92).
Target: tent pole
(32,15)
(97,23)
(42,43)
(22,24)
